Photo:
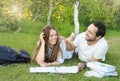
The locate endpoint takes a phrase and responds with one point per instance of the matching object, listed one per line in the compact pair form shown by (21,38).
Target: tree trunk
(50,12)
(36,15)
(76,22)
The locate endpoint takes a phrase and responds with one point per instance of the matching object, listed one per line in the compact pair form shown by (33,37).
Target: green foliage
(9,25)
(117,19)
(39,9)
(63,27)
(35,27)
(12,11)
(63,12)
(30,27)
(103,10)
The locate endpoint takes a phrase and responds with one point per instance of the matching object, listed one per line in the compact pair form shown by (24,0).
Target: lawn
(20,72)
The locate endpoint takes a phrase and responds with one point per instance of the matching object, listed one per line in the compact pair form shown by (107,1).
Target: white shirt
(85,52)
(61,56)
(66,54)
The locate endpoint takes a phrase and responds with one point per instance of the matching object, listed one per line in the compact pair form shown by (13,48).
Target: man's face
(91,33)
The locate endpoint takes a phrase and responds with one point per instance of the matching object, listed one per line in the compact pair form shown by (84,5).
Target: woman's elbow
(39,62)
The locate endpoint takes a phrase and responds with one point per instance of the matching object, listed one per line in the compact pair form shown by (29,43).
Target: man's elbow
(95,60)
(70,46)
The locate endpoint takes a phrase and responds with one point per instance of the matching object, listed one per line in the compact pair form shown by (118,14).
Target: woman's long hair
(56,47)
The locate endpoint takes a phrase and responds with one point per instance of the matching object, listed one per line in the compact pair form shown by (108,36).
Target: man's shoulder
(103,42)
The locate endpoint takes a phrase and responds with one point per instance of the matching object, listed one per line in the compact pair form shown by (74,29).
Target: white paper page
(114,73)
(42,69)
(67,69)
(101,66)
(93,73)
(62,69)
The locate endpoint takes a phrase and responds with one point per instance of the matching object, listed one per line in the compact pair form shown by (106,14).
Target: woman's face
(53,37)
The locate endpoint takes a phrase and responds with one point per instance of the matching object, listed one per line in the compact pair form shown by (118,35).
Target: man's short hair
(101,28)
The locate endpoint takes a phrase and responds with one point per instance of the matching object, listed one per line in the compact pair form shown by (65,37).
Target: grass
(27,40)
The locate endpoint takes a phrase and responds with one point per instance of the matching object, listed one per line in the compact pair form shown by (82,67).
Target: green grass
(27,40)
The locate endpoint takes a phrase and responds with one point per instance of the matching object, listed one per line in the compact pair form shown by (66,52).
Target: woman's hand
(42,38)
(43,64)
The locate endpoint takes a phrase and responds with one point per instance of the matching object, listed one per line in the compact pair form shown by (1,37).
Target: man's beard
(90,40)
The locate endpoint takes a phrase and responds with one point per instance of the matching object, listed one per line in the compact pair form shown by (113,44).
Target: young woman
(51,48)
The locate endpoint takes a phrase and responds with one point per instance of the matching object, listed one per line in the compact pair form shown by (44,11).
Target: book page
(62,69)
(42,69)
(67,69)
(101,66)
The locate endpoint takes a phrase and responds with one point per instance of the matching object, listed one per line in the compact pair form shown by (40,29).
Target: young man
(90,45)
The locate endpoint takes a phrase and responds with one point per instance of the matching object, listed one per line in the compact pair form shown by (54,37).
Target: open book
(100,70)
(62,69)
(101,66)
(114,73)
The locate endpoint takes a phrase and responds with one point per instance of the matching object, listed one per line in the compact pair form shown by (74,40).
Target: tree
(40,9)
(50,12)
(76,22)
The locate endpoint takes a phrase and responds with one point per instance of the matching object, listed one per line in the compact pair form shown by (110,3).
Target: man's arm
(100,53)
(69,45)
(95,59)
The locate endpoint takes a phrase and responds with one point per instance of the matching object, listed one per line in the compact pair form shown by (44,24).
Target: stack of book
(99,69)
